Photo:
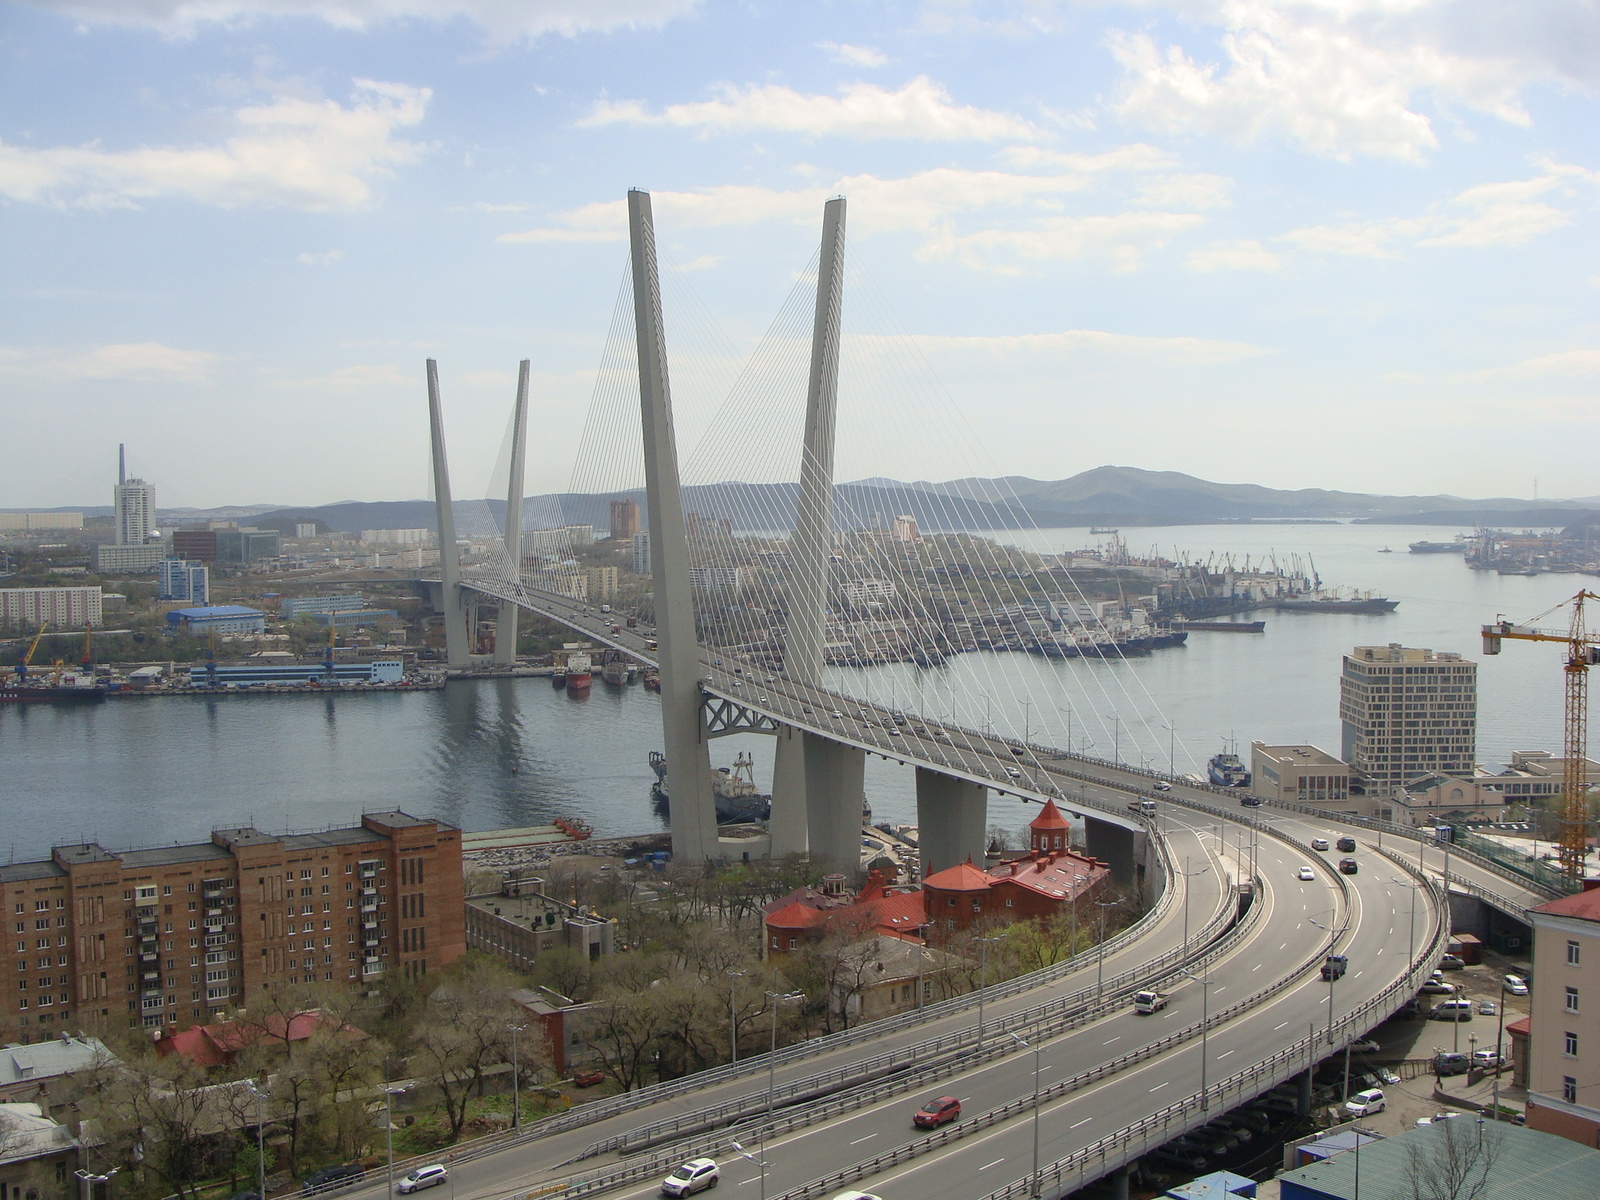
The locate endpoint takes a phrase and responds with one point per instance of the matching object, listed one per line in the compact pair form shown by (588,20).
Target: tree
(1453,1160)
(463,1029)
(623,1032)
(159,1114)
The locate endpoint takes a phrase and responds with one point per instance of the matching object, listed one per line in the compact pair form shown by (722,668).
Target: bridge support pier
(789,825)
(835,790)
(458,649)
(1117,847)
(1118,1180)
(506,619)
(1302,1094)
(952,820)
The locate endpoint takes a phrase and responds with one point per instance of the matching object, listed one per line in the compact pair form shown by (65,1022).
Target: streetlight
(1333,940)
(389,1093)
(89,1179)
(1034,1178)
(1188,875)
(983,974)
(261,1141)
(1205,1020)
(733,1018)
(1172,749)
(1116,737)
(516,1093)
(776,998)
(1411,952)
(922,942)
(1100,967)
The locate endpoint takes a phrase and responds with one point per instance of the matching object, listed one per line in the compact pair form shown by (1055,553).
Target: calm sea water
(487,754)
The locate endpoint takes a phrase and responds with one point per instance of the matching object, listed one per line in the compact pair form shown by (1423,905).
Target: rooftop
(167,855)
(1584,905)
(216,610)
(47,1060)
(22,872)
(1303,756)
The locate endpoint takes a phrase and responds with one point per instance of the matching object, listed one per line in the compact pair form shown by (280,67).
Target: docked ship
(734,787)
(618,671)
(69,689)
(1332,602)
(1226,770)
(1459,546)
(579,677)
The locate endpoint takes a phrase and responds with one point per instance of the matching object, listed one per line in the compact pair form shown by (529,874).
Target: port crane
(1583,651)
(27,659)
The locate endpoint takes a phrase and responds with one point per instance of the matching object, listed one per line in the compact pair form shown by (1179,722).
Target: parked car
(1452,962)
(1237,1125)
(1180,1161)
(696,1175)
(1453,1010)
(1437,1117)
(588,1078)
(1365,1046)
(423,1177)
(1365,1104)
(1515,985)
(1486,1008)
(1486,1060)
(1347,844)
(937,1112)
(1388,1076)
(330,1177)
(1436,987)
(1449,1063)
(1305,873)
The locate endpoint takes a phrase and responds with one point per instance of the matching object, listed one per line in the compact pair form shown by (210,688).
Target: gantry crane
(27,659)
(1583,651)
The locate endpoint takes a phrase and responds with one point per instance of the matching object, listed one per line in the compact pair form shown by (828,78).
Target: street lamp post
(1033,1189)
(733,1017)
(1172,749)
(983,976)
(1333,940)
(1188,875)
(1205,1022)
(1100,966)
(776,998)
(261,1138)
(1411,952)
(516,1079)
(89,1179)
(389,1093)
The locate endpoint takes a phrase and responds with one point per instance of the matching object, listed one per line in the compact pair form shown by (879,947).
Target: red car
(937,1112)
(588,1078)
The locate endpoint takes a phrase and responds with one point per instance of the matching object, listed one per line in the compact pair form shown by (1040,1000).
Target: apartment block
(169,937)
(1407,712)
(1564,1017)
(624,519)
(58,607)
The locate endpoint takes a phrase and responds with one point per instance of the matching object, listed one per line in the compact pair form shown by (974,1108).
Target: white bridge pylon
(818,775)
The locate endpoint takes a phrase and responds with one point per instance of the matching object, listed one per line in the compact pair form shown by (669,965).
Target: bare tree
(465,1028)
(1453,1160)
(623,1032)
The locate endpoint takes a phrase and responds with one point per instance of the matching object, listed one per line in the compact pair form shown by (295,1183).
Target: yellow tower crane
(1583,651)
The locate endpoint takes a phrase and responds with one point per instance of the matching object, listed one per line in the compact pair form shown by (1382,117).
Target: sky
(1307,243)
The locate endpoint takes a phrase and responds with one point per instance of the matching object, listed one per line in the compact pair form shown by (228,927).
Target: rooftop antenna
(122,464)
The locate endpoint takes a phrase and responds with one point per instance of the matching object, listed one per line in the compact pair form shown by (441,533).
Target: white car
(1485,1059)
(1365,1046)
(696,1175)
(1319,843)
(1364,1104)
(1163,786)
(1515,985)
(835,714)
(855,1195)
(1306,873)
(422,1177)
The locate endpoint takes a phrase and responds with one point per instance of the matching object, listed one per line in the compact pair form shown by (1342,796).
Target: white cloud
(293,152)
(1566,364)
(1233,256)
(326,258)
(1078,342)
(921,110)
(505,19)
(1507,213)
(134,362)
(1186,191)
(1338,78)
(357,377)
(854,56)
(703,263)
(998,220)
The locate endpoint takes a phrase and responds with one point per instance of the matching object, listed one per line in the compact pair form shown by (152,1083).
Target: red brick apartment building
(170,937)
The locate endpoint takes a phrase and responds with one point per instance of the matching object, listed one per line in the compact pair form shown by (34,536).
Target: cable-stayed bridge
(1250,1011)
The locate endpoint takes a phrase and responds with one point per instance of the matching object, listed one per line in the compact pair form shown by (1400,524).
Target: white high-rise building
(187,581)
(1408,713)
(136,506)
(641,552)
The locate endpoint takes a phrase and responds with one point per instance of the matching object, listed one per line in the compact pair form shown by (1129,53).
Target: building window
(1572,953)
(1571,1049)
(1572,999)
(1569,1089)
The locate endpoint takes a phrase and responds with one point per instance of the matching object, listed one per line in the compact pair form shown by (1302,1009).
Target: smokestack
(122,464)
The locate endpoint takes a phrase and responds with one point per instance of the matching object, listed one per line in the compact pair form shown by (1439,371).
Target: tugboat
(734,787)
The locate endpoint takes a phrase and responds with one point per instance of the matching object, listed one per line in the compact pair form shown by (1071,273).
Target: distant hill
(1105,495)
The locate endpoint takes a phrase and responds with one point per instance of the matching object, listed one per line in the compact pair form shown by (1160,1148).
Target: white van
(1453,1010)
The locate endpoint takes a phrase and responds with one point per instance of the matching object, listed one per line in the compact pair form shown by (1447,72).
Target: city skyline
(1201,234)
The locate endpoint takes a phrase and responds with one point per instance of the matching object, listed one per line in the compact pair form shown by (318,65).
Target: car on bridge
(938,1111)
(1348,866)
(423,1177)
(696,1175)
(1319,843)
(1305,874)
(1347,844)
(1162,785)
(1334,966)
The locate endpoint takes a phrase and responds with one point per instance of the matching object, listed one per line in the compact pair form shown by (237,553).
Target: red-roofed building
(218,1045)
(1043,882)
(1563,1040)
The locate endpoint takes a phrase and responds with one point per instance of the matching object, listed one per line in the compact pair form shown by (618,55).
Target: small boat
(1227,770)
(559,679)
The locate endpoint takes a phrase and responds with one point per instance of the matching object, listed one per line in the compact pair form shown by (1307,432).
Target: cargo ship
(734,787)
(1226,770)
(1459,546)
(579,678)
(63,692)
(1322,602)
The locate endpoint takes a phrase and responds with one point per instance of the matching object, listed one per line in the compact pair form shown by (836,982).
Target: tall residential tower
(1407,713)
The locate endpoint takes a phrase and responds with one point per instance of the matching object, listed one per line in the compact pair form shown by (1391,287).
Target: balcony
(370,943)
(369,908)
(371,968)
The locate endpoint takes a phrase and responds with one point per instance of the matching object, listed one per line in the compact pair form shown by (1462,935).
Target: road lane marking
(868,1138)
(1220,1056)
(1161,1085)
(1118,1038)
(995,1163)
(1275,1028)
(1257,967)
(1085,1121)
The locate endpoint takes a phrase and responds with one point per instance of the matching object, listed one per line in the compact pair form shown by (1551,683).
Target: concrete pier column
(458,649)
(1114,845)
(952,820)
(788,824)
(1302,1095)
(505,625)
(694,811)
(1118,1180)
(835,789)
